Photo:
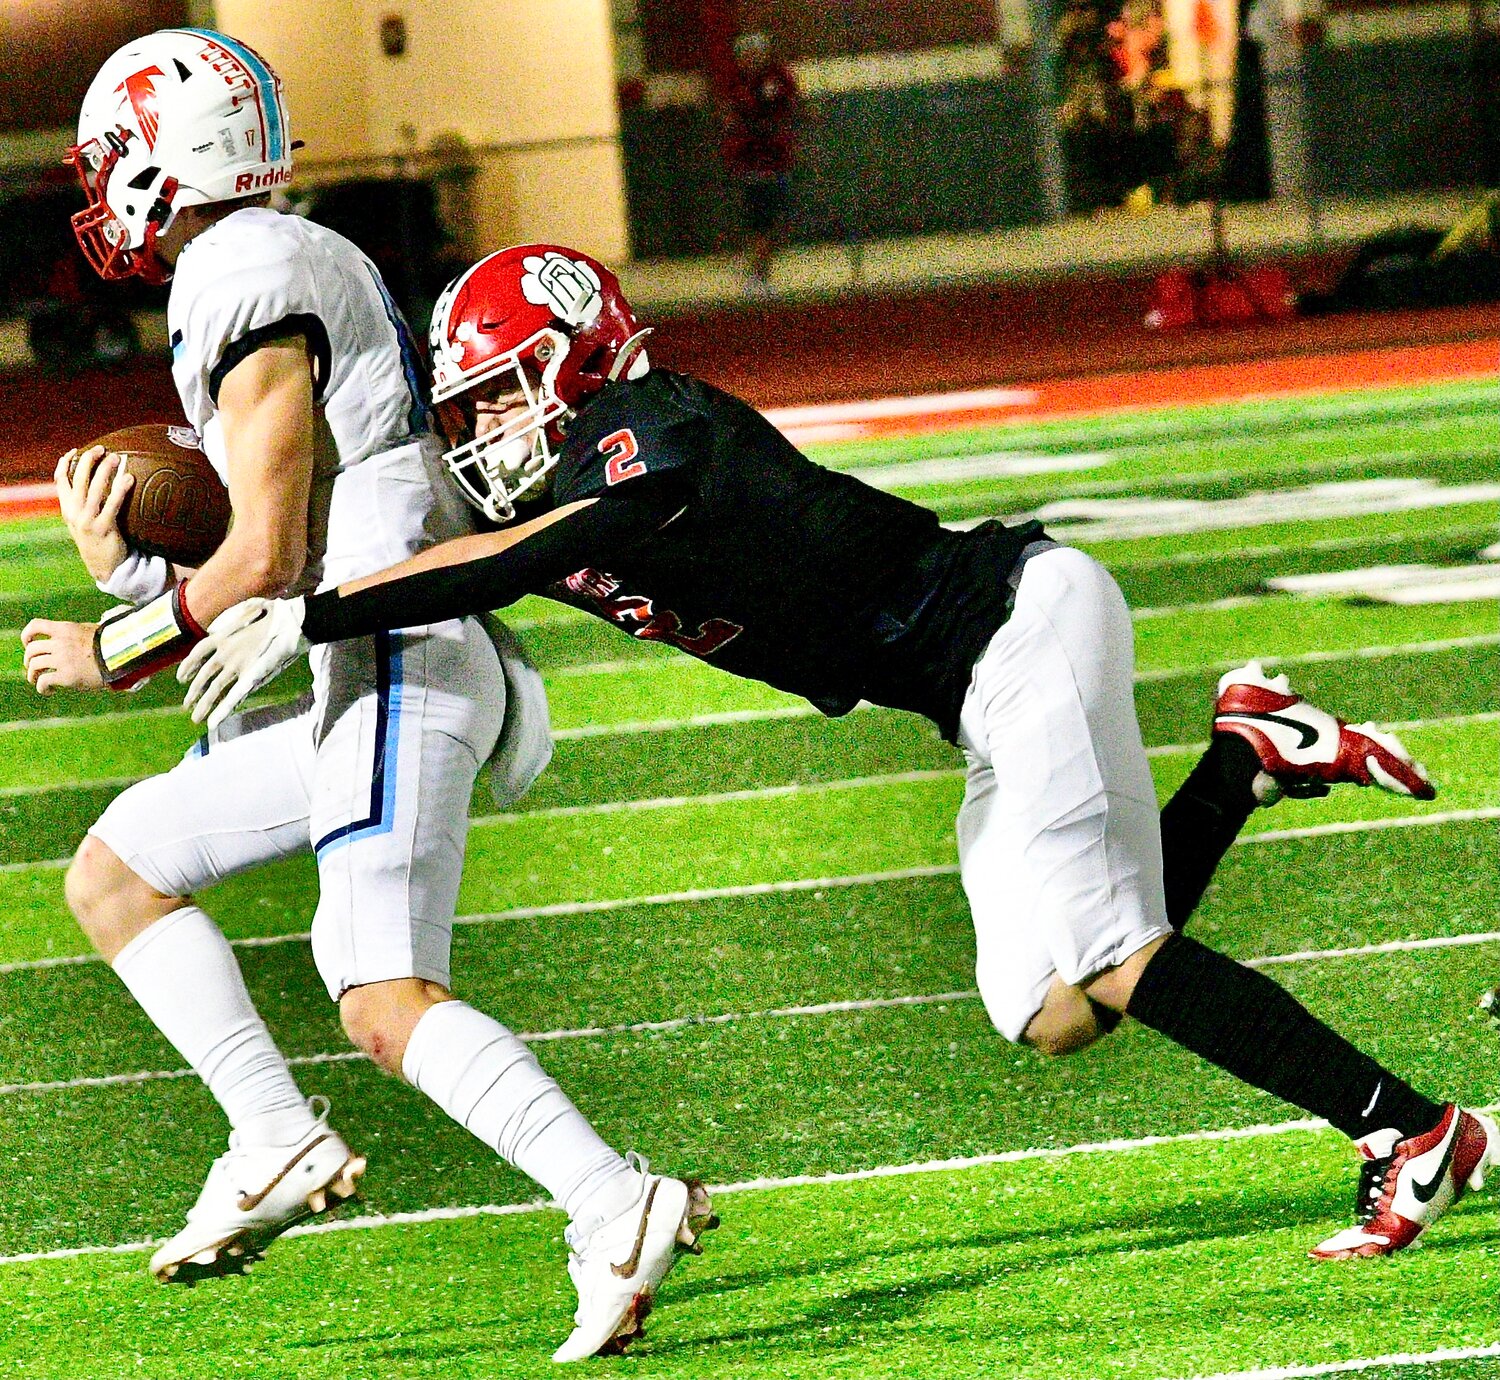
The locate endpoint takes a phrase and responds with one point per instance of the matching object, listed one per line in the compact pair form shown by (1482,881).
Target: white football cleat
(1303,749)
(255,1193)
(617,1267)
(1406,1185)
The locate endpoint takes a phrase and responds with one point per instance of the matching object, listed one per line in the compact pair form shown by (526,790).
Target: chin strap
(630,355)
(140,643)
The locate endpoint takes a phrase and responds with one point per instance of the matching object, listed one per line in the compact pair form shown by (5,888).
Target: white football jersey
(380,492)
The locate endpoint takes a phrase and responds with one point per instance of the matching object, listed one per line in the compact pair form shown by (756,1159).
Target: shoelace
(1372,1177)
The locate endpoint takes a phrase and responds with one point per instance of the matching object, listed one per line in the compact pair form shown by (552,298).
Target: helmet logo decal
(450,349)
(569,287)
(140,91)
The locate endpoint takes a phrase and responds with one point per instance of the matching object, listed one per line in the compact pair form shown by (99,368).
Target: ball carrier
(299,374)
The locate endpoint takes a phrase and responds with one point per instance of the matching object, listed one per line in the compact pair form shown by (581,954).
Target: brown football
(179,507)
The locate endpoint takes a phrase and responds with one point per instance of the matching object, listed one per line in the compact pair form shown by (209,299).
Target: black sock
(1198,826)
(1105,1017)
(1240,1020)
(1203,819)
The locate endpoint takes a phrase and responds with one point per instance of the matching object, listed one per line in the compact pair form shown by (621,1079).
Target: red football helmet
(530,332)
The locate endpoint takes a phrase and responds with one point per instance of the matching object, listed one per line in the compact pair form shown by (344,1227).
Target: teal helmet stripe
(265,81)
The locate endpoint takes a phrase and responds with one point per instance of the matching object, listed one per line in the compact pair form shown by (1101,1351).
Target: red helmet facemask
(101,234)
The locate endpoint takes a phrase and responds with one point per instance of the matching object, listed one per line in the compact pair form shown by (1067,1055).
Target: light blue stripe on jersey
(418,417)
(275,133)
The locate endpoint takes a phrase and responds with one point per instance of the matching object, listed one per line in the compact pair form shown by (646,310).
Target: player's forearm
(249,564)
(493,569)
(428,596)
(473,574)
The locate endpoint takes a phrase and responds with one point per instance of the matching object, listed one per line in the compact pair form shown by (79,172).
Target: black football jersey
(776,568)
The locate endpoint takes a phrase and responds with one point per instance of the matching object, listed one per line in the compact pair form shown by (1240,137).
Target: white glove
(246,646)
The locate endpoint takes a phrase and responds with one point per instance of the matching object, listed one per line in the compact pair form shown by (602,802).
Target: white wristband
(138,579)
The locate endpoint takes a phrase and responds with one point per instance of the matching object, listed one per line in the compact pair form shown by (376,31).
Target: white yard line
(1442,644)
(75,720)
(1314,831)
(1274,477)
(722,716)
(99,782)
(1403,539)
(1097,521)
(827,1008)
(710,893)
(890,1171)
(944,471)
(1395,1361)
(1391,946)
(1234,601)
(672,802)
(918,405)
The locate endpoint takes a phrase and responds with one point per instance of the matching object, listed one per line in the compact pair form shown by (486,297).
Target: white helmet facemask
(508,463)
(530,333)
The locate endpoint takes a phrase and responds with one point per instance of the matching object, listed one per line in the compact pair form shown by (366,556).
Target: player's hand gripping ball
(176,505)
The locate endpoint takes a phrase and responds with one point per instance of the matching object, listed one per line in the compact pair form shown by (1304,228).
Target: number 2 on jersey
(620,450)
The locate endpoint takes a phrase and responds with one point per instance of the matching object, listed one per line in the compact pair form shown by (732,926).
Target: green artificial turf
(537,858)
(697,759)
(1160,1263)
(1179,1260)
(788,1095)
(874,940)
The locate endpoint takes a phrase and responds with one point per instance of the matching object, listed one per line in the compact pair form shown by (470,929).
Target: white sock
(183,974)
(491,1083)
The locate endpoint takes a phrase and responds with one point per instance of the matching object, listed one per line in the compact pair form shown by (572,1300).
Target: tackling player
(682,516)
(296,368)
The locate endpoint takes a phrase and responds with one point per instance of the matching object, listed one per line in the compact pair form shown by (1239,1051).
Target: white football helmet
(181,117)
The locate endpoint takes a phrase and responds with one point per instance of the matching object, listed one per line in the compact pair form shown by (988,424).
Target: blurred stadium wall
(594,122)
(510,105)
(521,93)
(930,119)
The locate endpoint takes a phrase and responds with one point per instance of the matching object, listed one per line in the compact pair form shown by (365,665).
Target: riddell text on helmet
(254,182)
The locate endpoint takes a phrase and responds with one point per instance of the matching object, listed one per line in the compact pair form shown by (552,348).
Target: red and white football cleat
(1406,1185)
(1303,749)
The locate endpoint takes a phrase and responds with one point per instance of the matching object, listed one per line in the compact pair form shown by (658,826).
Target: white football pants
(1059,843)
(373,772)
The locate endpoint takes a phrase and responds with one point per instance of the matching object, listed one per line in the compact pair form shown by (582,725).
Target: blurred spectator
(1247,158)
(763,108)
(1285,31)
(1131,134)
